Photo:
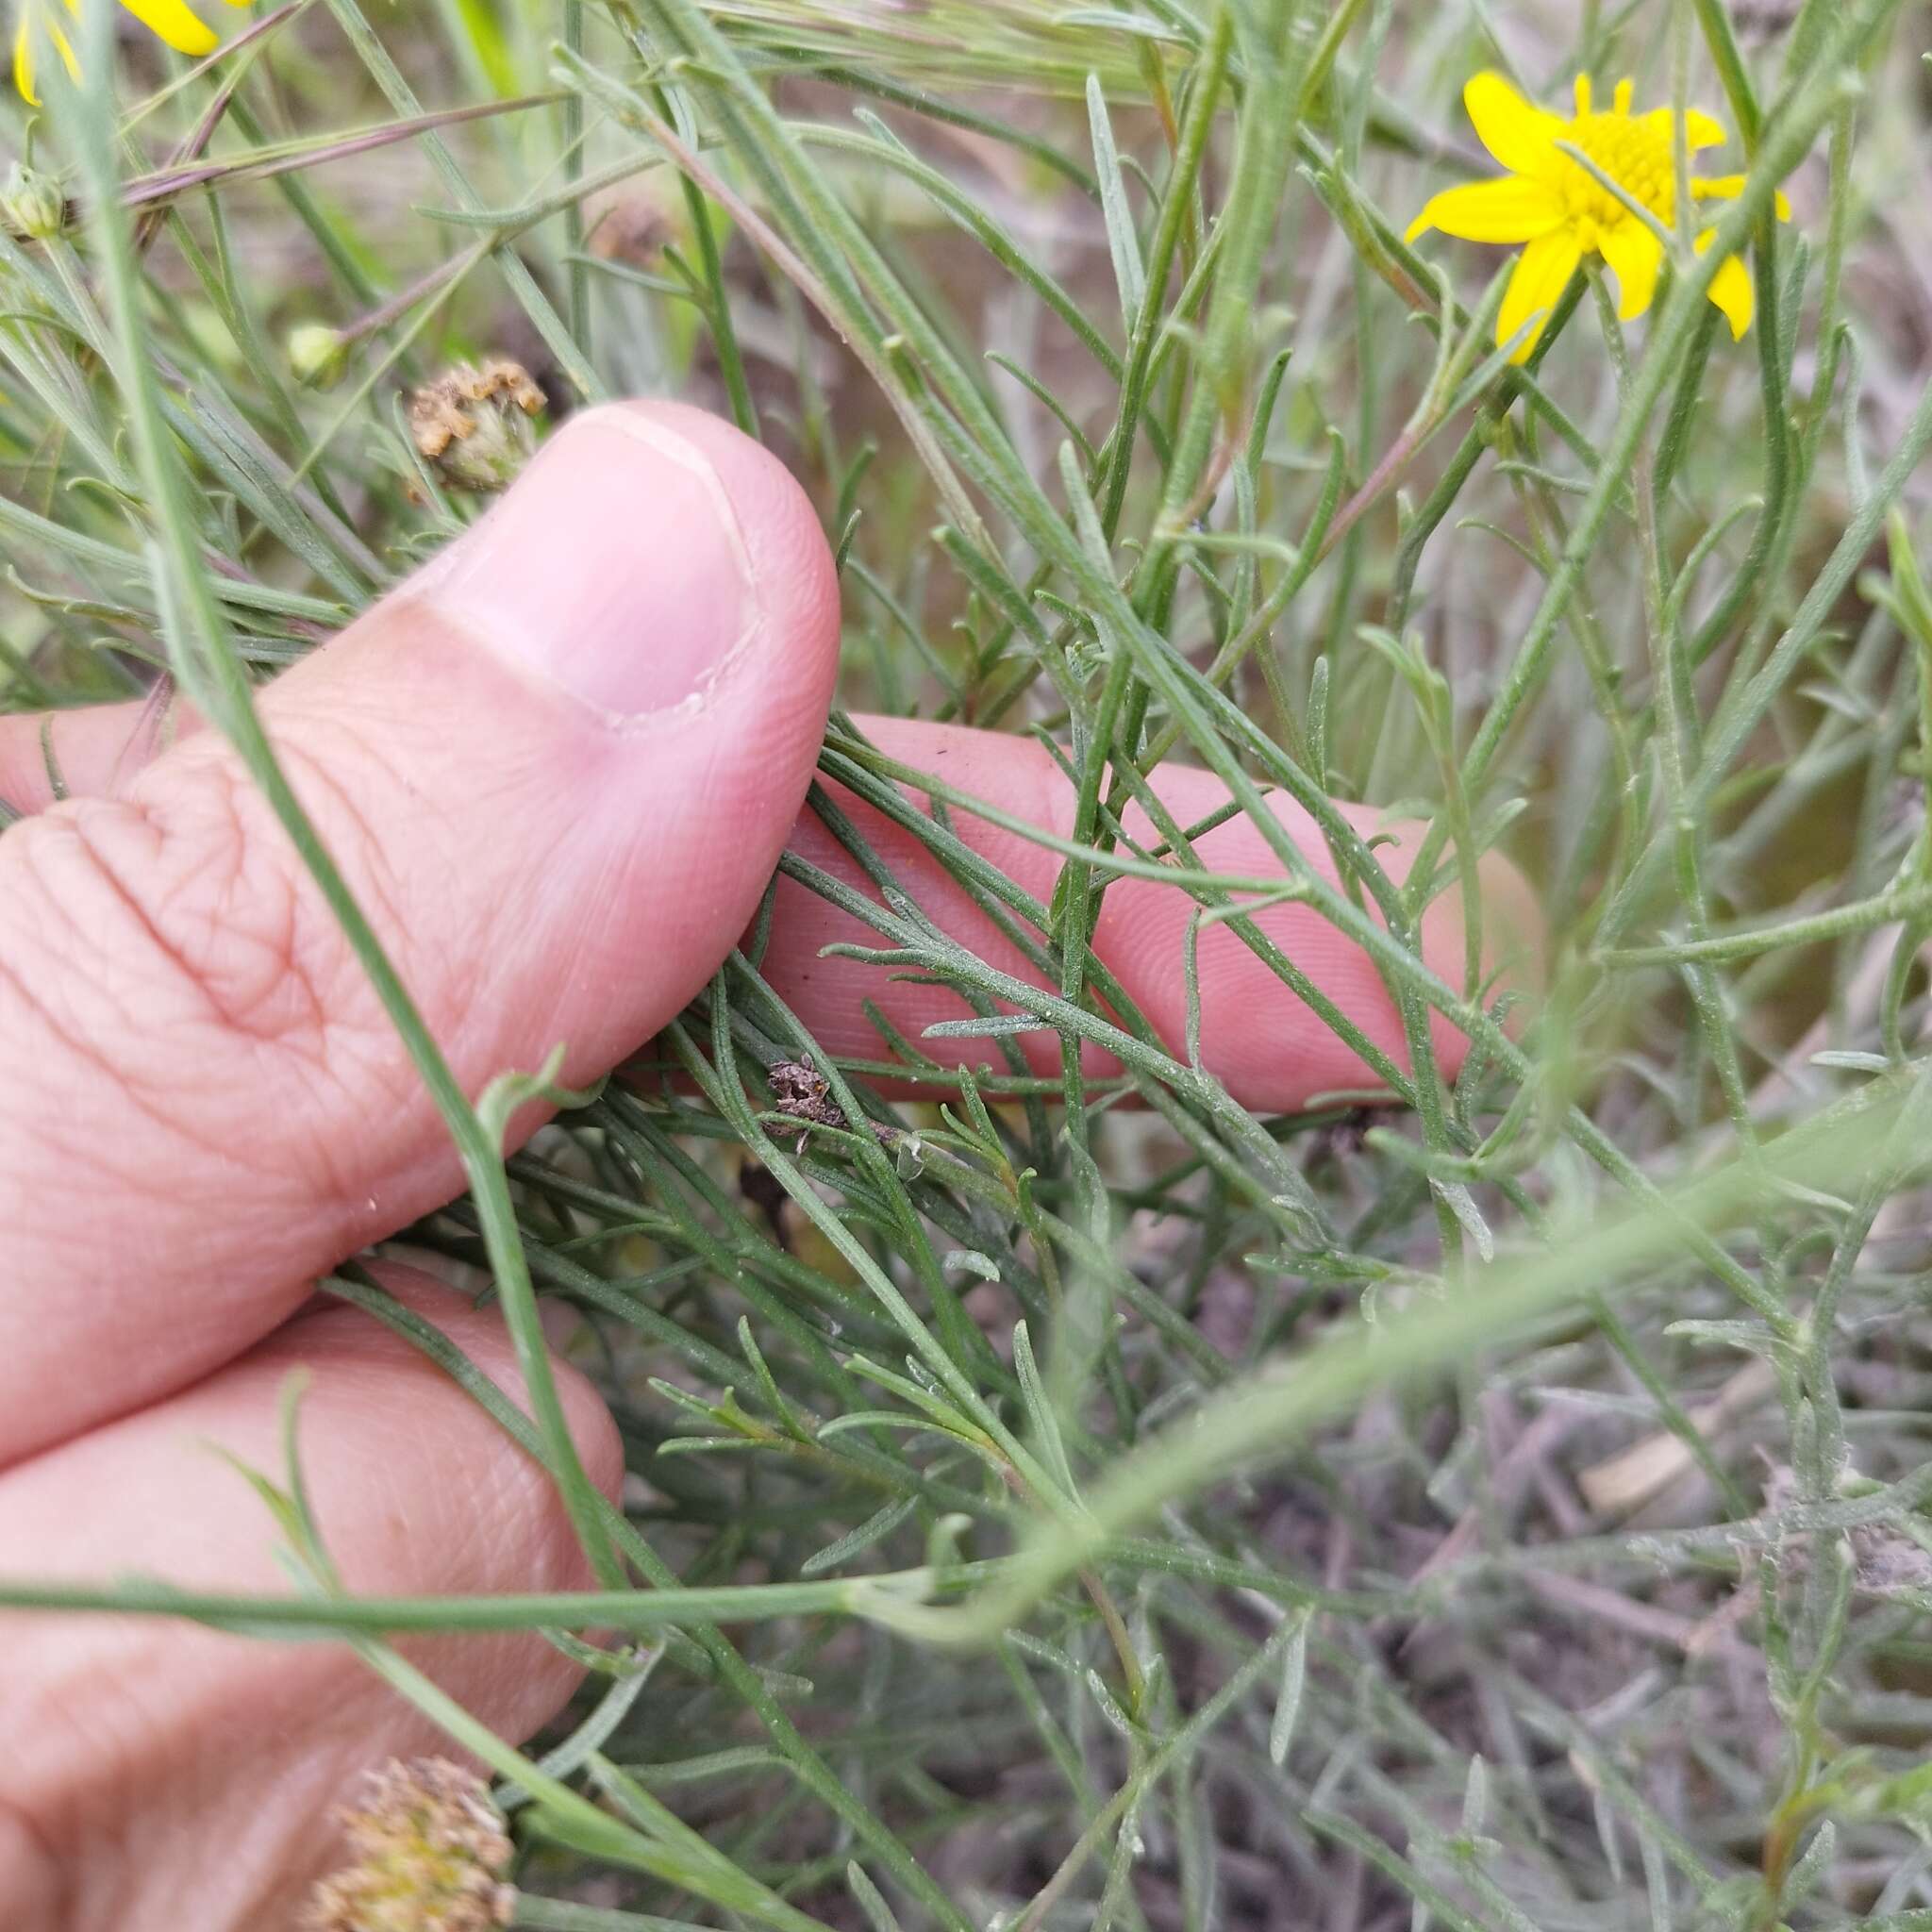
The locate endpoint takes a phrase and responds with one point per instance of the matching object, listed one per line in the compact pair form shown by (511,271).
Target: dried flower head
(428,1853)
(633,228)
(474,425)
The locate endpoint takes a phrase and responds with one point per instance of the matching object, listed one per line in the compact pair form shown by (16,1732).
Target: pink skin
(556,769)
(1267,1048)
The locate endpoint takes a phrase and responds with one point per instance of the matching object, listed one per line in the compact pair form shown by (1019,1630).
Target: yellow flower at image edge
(1561,212)
(172,20)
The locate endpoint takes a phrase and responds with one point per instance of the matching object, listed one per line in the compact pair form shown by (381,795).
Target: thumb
(556,769)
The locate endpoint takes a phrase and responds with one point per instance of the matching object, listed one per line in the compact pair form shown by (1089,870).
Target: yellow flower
(1561,212)
(174,20)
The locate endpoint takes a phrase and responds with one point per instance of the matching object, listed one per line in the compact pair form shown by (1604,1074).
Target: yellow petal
(1731,288)
(1729,188)
(1520,136)
(1509,209)
(1635,255)
(177,22)
(24,58)
(1542,272)
(1733,293)
(1584,98)
(1625,90)
(26,55)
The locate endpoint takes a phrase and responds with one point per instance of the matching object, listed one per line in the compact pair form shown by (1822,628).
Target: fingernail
(615,567)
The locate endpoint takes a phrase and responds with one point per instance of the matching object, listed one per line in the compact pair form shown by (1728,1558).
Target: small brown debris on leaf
(801,1091)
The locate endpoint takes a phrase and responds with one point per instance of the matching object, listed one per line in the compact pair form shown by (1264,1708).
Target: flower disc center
(1636,157)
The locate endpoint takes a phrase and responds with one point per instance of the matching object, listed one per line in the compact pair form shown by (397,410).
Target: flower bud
(317,355)
(33,205)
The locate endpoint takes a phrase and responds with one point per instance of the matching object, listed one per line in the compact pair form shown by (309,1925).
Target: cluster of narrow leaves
(1503,1510)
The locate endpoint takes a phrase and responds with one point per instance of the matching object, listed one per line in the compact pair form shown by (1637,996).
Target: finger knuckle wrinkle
(194,918)
(34,1895)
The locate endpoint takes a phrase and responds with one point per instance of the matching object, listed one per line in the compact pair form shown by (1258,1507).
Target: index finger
(1268,1045)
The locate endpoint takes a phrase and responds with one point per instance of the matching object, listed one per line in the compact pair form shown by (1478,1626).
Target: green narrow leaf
(1123,244)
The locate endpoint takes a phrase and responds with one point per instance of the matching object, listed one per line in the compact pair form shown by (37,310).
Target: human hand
(556,768)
